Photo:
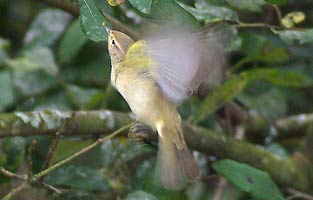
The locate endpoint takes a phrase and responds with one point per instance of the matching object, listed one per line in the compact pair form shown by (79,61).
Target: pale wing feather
(176,58)
(184,60)
(212,42)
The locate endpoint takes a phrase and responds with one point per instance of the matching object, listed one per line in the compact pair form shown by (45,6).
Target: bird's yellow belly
(143,97)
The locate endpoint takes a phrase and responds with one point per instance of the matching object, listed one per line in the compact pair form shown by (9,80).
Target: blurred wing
(176,56)
(211,70)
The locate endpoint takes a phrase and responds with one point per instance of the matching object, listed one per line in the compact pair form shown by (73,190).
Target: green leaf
(235,85)
(204,11)
(72,41)
(66,148)
(277,2)
(250,5)
(292,36)
(249,179)
(82,97)
(47,27)
(34,72)
(143,6)
(7,93)
(92,21)
(13,150)
(271,104)
(90,67)
(140,195)
(263,49)
(171,12)
(280,77)
(277,149)
(79,177)
(55,100)
(222,95)
(4,47)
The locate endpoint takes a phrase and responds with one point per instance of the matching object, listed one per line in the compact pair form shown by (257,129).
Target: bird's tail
(176,165)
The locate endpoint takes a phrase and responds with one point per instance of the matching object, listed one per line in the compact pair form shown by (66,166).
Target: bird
(155,75)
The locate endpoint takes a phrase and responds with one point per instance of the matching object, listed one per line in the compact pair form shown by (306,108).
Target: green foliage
(277,2)
(92,21)
(204,11)
(292,36)
(46,28)
(12,152)
(32,75)
(250,5)
(72,41)
(236,85)
(249,179)
(7,93)
(143,6)
(52,60)
(78,177)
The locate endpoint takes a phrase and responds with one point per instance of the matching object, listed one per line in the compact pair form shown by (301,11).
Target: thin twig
(278,12)
(15,191)
(37,176)
(50,187)
(25,178)
(82,151)
(29,157)
(12,175)
(222,183)
(55,142)
(299,194)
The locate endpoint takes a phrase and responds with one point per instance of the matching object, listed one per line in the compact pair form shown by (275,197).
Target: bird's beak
(107,29)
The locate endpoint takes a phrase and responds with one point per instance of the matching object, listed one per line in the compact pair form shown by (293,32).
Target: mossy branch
(286,172)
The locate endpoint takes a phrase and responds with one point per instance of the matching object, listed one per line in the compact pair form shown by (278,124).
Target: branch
(286,172)
(295,125)
(44,172)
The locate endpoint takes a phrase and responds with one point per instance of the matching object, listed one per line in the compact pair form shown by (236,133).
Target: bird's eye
(113,42)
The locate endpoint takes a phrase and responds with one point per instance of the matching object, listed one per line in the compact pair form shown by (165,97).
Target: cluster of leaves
(60,62)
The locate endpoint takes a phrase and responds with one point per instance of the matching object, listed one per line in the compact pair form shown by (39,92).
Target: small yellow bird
(157,74)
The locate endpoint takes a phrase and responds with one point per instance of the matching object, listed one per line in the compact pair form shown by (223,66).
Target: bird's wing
(176,58)
(183,60)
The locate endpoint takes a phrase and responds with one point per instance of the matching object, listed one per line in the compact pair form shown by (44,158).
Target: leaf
(140,195)
(277,2)
(72,41)
(263,50)
(7,93)
(89,67)
(115,2)
(249,179)
(47,27)
(13,150)
(66,148)
(92,21)
(235,85)
(280,77)
(204,11)
(143,6)
(292,36)
(172,12)
(78,177)
(55,100)
(277,149)
(222,95)
(82,97)
(34,72)
(4,47)
(271,104)
(250,5)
